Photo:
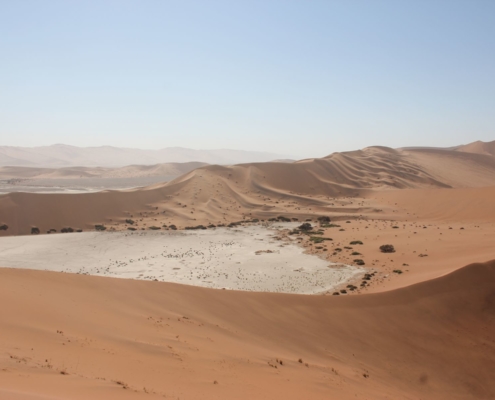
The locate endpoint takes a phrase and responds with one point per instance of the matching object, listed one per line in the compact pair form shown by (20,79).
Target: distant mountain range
(61,155)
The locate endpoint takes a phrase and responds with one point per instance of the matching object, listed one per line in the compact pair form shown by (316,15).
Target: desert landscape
(247,200)
(363,274)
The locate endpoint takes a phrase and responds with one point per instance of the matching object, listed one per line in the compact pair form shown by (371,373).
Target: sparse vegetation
(330,226)
(317,239)
(387,248)
(154,228)
(355,242)
(358,261)
(4,227)
(129,221)
(35,230)
(305,227)
(100,227)
(355,253)
(397,271)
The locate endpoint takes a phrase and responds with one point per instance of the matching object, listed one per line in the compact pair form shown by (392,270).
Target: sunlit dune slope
(479,147)
(432,340)
(222,194)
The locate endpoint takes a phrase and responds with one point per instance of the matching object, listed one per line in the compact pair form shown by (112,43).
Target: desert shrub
(67,230)
(354,242)
(129,221)
(358,261)
(323,220)
(4,227)
(131,228)
(355,253)
(173,227)
(395,227)
(387,248)
(317,239)
(283,219)
(338,249)
(100,227)
(305,227)
(397,271)
(154,228)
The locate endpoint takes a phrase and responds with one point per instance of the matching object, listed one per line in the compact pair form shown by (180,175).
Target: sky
(300,78)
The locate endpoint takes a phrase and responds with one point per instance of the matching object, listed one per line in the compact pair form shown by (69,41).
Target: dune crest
(222,194)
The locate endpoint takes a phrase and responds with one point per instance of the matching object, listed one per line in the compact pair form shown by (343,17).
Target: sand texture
(416,321)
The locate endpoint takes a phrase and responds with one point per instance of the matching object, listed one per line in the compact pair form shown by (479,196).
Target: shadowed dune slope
(432,340)
(228,193)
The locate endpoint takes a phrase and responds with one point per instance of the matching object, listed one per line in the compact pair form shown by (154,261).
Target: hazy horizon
(303,79)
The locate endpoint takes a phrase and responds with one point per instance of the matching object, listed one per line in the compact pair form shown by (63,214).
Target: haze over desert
(247,200)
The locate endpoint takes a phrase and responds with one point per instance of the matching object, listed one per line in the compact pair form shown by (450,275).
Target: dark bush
(305,227)
(387,248)
(354,242)
(129,221)
(4,227)
(35,230)
(100,227)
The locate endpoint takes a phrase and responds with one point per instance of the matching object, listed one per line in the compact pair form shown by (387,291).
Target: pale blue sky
(304,78)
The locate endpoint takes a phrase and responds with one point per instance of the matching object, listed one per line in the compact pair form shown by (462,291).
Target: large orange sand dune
(219,194)
(77,337)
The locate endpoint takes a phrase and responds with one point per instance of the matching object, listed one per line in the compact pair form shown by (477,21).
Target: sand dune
(222,194)
(478,147)
(88,337)
(60,155)
(130,171)
(421,326)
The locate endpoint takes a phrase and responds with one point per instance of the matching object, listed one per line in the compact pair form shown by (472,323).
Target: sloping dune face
(479,147)
(130,171)
(88,337)
(220,194)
